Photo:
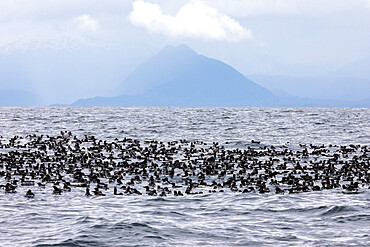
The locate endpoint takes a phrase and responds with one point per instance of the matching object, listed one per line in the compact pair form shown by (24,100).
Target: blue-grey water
(324,218)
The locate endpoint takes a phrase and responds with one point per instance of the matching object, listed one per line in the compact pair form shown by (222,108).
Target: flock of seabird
(94,167)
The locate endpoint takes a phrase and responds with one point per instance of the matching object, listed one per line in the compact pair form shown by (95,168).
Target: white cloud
(87,23)
(193,20)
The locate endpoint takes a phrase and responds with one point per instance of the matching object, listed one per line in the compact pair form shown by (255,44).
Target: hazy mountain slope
(358,69)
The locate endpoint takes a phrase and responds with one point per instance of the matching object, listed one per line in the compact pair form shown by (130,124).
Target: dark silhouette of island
(180,77)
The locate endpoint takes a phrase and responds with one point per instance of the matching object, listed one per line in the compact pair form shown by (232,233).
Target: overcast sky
(290,37)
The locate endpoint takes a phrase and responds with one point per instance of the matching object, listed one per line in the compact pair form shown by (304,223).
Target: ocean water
(321,218)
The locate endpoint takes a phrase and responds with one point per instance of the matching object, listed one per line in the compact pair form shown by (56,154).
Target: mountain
(18,98)
(178,76)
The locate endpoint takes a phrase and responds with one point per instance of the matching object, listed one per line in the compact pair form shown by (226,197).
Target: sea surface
(321,218)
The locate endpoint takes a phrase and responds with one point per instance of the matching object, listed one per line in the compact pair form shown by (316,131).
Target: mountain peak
(179,50)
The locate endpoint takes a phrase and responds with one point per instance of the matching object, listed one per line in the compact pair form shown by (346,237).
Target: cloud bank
(76,23)
(193,20)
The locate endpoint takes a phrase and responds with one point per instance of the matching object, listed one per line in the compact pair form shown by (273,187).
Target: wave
(335,210)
